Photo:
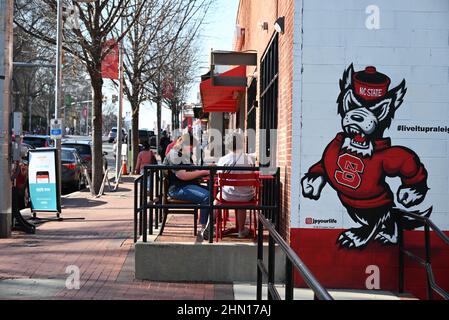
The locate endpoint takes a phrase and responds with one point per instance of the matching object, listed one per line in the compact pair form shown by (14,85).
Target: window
(269,98)
(251,114)
(269,117)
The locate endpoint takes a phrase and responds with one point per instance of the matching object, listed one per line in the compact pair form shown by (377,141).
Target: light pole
(58,80)
(58,84)
(120,108)
(6,33)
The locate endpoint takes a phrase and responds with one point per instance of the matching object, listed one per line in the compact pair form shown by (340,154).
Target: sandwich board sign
(43,180)
(56,128)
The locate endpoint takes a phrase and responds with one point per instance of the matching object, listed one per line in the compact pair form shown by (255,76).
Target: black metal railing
(292,261)
(148,191)
(425,262)
(138,207)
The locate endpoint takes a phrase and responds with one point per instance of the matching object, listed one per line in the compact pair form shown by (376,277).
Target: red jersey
(360,181)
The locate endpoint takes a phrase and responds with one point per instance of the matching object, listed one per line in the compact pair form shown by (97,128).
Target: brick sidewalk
(34,266)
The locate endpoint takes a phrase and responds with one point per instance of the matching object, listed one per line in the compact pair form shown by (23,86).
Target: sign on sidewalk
(56,128)
(43,180)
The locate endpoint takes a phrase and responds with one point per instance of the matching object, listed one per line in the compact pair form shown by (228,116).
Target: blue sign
(43,196)
(56,132)
(42,179)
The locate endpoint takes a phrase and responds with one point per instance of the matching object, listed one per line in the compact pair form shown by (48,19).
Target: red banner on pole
(109,65)
(168,89)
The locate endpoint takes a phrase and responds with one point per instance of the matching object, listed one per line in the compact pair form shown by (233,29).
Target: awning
(221,98)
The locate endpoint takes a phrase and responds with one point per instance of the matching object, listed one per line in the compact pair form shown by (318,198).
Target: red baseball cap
(370,84)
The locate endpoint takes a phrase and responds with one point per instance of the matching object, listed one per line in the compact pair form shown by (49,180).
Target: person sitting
(234,142)
(171,145)
(185,184)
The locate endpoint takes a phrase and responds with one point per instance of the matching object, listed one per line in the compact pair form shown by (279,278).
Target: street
(107,147)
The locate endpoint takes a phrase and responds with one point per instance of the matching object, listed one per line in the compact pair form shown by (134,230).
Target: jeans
(149,182)
(194,193)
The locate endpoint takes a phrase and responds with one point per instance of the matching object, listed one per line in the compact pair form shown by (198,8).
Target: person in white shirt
(234,142)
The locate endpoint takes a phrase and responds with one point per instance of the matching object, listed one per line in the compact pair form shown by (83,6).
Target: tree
(160,30)
(31,85)
(97,21)
(181,74)
(161,85)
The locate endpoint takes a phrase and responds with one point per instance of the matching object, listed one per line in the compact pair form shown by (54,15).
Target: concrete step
(247,291)
(221,262)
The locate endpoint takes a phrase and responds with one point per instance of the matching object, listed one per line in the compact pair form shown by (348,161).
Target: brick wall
(250,14)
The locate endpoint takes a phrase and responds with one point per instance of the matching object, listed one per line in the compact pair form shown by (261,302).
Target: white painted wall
(412,43)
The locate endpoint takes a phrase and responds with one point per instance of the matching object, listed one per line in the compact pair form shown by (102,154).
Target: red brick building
(325,50)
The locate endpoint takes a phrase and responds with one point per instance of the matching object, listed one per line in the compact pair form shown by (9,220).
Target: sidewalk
(100,245)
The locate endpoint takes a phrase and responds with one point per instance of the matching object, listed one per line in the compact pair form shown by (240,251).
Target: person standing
(145,157)
(163,144)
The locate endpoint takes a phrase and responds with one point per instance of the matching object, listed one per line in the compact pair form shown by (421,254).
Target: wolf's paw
(411,196)
(386,239)
(312,186)
(352,239)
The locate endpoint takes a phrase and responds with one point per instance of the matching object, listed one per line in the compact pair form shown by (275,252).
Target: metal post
(141,207)
(30,126)
(145,205)
(87,119)
(259,256)
(120,108)
(136,207)
(58,82)
(400,254)
(427,244)
(288,279)
(150,220)
(211,203)
(6,41)
(271,264)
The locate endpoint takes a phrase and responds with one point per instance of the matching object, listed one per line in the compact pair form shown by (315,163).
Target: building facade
(359,95)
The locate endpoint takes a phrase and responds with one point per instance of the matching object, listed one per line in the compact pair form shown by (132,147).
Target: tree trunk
(135,142)
(97,131)
(159,121)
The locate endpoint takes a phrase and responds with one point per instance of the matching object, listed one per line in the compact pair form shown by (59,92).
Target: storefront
(359,97)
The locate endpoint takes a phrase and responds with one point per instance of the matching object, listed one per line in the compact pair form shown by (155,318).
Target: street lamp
(58,81)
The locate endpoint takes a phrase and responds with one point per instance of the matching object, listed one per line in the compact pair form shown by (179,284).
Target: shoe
(244,233)
(205,232)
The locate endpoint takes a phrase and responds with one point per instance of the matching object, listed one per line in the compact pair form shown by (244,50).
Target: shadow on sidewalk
(81,203)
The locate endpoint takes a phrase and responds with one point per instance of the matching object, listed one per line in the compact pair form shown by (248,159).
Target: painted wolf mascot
(359,159)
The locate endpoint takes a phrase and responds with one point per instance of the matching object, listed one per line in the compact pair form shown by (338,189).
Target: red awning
(221,98)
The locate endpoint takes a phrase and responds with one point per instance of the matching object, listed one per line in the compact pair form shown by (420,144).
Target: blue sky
(217,33)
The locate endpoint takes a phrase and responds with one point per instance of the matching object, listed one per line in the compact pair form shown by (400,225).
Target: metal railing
(148,207)
(425,262)
(138,207)
(292,260)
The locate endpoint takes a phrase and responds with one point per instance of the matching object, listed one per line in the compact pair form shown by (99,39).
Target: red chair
(236,180)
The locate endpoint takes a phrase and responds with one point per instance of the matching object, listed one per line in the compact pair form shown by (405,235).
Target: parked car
(20,177)
(38,141)
(72,169)
(113,135)
(84,148)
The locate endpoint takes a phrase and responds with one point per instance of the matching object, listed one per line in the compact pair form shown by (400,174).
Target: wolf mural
(356,163)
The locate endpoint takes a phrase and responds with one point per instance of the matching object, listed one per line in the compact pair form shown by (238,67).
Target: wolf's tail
(409,223)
